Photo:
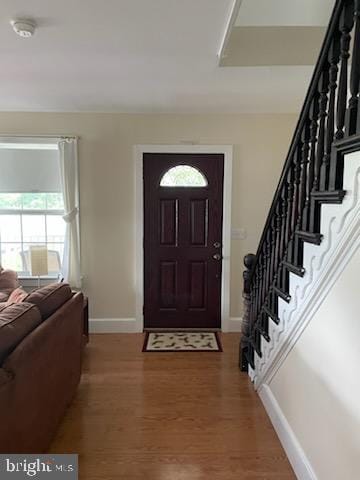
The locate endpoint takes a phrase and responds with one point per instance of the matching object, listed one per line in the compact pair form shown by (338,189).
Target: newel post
(249,261)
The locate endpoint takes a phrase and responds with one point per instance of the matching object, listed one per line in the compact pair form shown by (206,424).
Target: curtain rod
(12,135)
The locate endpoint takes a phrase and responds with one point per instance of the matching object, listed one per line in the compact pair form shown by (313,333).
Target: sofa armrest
(46,333)
(46,368)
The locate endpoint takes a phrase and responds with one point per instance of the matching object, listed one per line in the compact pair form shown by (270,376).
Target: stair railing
(312,175)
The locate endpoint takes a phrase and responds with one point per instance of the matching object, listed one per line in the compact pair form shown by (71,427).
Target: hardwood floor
(168,416)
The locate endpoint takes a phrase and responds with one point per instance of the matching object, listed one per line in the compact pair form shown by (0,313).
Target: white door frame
(139,150)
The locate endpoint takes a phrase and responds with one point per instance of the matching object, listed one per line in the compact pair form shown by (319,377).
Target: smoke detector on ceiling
(24,28)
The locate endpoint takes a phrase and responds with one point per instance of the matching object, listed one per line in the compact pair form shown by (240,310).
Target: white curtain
(70,189)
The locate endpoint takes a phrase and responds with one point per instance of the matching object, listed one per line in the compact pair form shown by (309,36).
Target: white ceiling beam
(234,11)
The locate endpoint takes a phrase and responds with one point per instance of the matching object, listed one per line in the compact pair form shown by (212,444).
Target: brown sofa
(40,366)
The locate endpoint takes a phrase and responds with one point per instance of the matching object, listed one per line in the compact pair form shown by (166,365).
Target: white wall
(318,386)
(107,186)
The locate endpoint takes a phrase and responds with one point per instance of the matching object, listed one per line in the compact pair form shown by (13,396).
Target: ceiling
(146,56)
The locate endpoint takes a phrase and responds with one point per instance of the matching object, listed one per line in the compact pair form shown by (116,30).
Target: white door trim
(227,151)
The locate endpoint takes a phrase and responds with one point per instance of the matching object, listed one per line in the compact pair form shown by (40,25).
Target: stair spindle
(313,116)
(323,99)
(333,57)
(304,162)
(352,116)
(345,26)
(272,250)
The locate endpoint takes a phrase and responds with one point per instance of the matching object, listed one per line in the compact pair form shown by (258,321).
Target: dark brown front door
(182,240)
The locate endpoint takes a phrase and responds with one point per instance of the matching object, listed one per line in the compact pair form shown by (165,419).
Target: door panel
(182,227)
(197,273)
(168,222)
(199,221)
(168,271)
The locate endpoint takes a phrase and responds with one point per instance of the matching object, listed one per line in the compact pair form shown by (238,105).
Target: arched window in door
(183,176)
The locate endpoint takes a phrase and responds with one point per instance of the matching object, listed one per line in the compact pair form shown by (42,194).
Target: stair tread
(309,237)
(271,314)
(284,295)
(250,359)
(265,334)
(254,345)
(335,196)
(300,271)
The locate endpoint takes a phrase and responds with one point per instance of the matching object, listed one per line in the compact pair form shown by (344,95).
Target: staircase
(314,219)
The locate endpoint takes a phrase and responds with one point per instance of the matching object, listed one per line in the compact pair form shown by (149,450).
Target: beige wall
(318,386)
(107,186)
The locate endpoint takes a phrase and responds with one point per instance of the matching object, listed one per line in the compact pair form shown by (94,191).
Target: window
(183,176)
(31,219)
(31,206)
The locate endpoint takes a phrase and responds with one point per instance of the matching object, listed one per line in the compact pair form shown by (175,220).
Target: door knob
(217,256)
(217,244)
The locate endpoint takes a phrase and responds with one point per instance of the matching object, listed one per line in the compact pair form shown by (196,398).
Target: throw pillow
(17,295)
(8,280)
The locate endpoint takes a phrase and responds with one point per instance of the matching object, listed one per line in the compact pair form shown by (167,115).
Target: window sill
(34,281)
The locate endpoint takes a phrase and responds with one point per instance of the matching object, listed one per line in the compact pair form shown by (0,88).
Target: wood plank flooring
(168,416)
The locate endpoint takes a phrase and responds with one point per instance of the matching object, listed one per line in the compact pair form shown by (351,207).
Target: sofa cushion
(49,298)
(8,281)
(3,297)
(16,296)
(16,321)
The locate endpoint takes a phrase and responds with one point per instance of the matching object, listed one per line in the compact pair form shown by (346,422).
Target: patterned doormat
(182,342)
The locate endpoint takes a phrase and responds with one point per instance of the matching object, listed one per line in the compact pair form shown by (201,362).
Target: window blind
(29,170)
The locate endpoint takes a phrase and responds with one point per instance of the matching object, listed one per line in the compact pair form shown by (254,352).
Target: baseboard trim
(234,324)
(296,455)
(112,325)
(129,325)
